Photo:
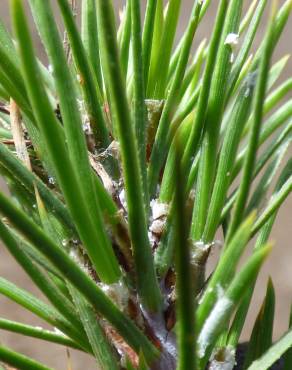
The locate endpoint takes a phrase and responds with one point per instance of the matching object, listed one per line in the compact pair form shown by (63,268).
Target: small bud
(50,68)
(157,227)
(64,242)
(231,39)
(159,210)
(122,197)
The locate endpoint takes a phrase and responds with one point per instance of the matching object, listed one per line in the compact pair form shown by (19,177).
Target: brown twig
(66,42)
(18,134)
(11,142)
(101,172)
(6,367)
(121,345)
(4,110)
(121,233)
(20,144)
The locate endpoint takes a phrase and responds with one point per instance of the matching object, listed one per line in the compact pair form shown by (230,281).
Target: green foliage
(262,333)
(124,157)
(273,353)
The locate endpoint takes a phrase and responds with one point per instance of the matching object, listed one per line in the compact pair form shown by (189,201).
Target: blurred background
(278,265)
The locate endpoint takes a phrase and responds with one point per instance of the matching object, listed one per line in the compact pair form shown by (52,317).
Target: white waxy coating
(212,323)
